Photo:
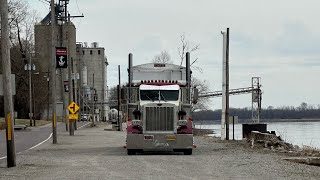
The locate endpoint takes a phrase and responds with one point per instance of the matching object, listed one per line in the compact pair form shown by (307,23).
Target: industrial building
(89,67)
(93,85)
(43,56)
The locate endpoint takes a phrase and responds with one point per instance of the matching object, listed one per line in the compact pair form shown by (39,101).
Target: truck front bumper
(159,142)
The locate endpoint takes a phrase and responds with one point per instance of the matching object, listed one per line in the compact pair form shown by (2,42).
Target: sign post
(73,108)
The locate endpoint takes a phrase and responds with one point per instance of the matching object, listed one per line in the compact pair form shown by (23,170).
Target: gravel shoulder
(94,153)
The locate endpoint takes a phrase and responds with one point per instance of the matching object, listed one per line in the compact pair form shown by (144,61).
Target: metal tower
(256,99)
(255,89)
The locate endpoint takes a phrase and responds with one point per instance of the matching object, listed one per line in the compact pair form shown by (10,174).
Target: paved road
(25,139)
(94,153)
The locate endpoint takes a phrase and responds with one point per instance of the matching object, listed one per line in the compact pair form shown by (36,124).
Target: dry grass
(307,151)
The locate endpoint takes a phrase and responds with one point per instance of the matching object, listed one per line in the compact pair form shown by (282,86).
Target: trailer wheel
(187,152)
(131,152)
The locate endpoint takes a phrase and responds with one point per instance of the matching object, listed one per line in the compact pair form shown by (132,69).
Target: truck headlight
(136,122)
(182,122)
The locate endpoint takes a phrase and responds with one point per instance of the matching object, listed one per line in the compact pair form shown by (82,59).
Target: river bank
(244,121)
(297,133)
(271,142)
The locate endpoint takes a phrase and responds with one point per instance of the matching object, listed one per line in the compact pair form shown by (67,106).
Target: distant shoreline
(244,121)
(290,120)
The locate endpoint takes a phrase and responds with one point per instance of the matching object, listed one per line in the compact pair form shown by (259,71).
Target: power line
(45,5)
(78,24)
(78,7)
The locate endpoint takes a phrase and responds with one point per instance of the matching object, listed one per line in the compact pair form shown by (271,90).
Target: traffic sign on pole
(73,107)
(73,116)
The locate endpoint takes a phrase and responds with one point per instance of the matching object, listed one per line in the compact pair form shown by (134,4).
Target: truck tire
(187,152)
(131,152)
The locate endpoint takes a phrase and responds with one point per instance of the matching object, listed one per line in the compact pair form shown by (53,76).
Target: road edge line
(37,144)
(83,125)
(40,143)
(31,147)
(3,157)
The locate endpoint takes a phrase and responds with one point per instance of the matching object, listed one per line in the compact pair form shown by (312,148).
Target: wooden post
(227,86)
(53,75)
(232,127)
(119,100)
(7,86)
(71,125)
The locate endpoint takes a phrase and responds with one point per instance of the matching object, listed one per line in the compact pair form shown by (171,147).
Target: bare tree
(202,86)
(163,57)
(18,11)
(21,24)
(113,94)
(185,47)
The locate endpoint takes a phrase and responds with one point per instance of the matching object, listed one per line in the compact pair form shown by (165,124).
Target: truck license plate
(171,137)
(148,137)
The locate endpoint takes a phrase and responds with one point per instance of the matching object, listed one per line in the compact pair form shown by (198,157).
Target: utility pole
(29,67)
(53,75)
(71,95)
(7,86)
(79,84)
(34,106)
(119,99)
(73,88)
(71,126)
(225,87)
(93,92)
(63,100)
(48,95)
(62,73)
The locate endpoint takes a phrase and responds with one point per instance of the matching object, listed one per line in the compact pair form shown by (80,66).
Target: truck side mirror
(195,95)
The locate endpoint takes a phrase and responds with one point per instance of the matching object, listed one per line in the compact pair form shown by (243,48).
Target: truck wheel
(131,152)
(187,152)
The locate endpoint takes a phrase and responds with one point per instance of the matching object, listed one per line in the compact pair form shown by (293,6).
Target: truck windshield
(150,95)
(169,95)
(156,95)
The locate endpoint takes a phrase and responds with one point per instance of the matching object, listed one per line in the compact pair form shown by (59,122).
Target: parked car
(85,117)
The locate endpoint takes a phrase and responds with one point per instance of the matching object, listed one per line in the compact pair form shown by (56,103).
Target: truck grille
(159,118)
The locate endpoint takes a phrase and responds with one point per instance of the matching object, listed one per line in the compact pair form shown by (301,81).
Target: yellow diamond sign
(73,107)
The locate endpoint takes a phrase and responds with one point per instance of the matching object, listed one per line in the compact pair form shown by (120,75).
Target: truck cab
(159,109)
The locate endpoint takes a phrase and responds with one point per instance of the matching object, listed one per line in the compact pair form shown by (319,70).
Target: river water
(296,133)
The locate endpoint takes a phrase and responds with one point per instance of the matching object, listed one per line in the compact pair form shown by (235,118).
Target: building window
(90,51)
(83,52)
(99,52)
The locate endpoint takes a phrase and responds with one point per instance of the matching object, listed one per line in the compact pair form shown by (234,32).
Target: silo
(84,76)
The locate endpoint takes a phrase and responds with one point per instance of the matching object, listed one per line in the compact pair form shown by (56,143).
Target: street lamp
(30,67)
(47,96)
(48,80)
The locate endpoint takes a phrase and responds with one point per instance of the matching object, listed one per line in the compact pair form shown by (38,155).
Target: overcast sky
(277,40)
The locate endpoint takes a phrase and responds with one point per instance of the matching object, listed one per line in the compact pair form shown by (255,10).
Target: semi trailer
(158,105)
(113,116)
